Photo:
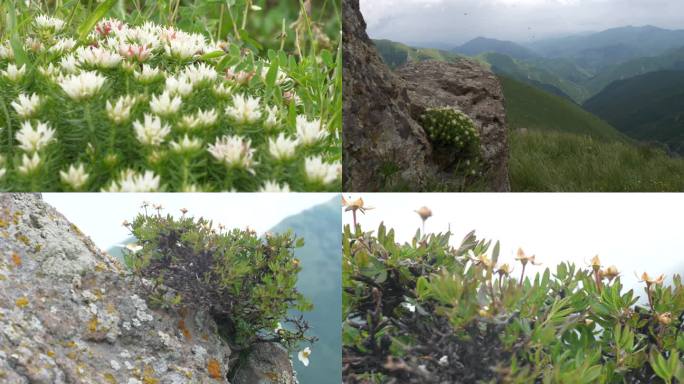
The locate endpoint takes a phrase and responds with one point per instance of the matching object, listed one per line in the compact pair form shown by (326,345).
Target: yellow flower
(665,318)
(610,273)
(650,281)
(424,213)
(524,259)
(354,205)
(504,269)
(595,263)
(482,260)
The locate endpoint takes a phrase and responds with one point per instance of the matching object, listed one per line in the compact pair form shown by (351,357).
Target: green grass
(550,161)
(532,108)
(567,149)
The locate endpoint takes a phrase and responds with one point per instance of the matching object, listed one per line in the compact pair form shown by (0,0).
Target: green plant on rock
(452,128)
(246,282)
(429,312)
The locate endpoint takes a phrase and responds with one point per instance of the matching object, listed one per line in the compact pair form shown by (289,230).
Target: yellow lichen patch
(2,277)
(22,238)
(51,353)
(148,376)
(37,248)
(72,355)
(70,344)
(184,329)
(92,324)
(76,230)
(214,369)
(108,377)
(16,259)
(111,308)
(100,267)
(17,216)
(3,223)
(21,302)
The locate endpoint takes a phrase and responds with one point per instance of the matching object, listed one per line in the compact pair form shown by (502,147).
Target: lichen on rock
(82,318)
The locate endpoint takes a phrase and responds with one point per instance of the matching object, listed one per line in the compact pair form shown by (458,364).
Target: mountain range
(606,73)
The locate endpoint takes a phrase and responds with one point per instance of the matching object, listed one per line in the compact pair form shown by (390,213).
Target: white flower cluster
(145,87)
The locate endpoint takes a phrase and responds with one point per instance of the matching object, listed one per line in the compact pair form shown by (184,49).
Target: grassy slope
(647,107)
(532,108)
(567,149)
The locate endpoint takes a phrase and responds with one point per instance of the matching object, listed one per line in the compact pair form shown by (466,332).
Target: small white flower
(83,85)
(33,140)
(148,74)
(69,64)
(303,356)
(272,186)
(409,306)
(6,52)
(139,53)
(47,22)
(199,119)
(98,57)
(319,171)
(165,105)
(244,110)
(181,48)
(233,151)
(50,71)
(29,164)
(281,77)
(443,361)
(309,132)
(75,176)
(186,145)
(120,111)
(271,117)
(26,106)
(282,148)
(13,73)
(178,86)
(62,45)
(151,131)
(200,73)
(221,90)
(2,172)
(134,182)
(278,328)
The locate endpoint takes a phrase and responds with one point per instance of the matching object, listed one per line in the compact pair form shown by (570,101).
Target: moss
(214,369)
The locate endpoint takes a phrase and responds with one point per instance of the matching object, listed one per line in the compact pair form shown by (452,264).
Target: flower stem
(185,171)
(89,120)
(522,274)
(9,125)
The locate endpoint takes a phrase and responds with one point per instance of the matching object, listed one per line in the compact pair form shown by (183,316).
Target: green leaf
(212,55)
(93,18)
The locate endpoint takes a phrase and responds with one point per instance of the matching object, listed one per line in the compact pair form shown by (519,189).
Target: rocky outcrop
(474,90)
(70,313)
(384,146)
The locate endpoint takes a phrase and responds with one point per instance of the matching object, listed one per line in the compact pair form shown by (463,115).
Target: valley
(599,112)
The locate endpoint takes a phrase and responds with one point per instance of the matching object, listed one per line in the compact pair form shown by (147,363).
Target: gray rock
(262,368)
(385,148)
(475,91)
(70,313)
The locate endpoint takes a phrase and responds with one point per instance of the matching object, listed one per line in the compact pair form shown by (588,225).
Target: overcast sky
(636,232)
(100,215)
(457,21)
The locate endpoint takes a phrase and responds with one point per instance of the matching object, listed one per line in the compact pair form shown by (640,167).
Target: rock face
(384,146)
(70,313)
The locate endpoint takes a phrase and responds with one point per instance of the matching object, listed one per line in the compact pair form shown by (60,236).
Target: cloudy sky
(457,21)
(99,215)
(636,232)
